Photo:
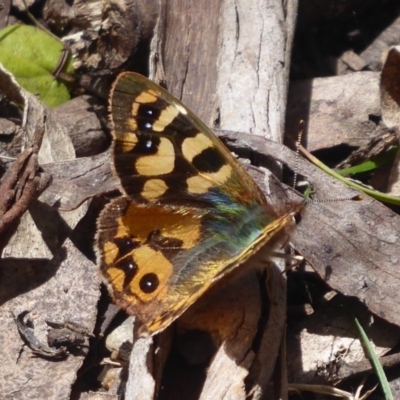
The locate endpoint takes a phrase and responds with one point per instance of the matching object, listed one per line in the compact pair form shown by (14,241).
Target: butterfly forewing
(164,153)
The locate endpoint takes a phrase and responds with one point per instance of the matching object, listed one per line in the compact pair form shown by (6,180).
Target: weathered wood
(82,118)
(335,109)
(228,61)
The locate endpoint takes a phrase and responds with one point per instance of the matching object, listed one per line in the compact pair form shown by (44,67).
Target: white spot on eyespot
(149,144)
(148,125)
(181,109)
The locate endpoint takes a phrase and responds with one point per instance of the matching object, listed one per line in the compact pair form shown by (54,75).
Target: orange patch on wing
(135,108)
(150,261)
(116,278)
(180,223)
(110,252)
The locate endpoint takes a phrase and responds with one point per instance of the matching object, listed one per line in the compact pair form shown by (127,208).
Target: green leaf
(373,193)
(32,55)
(371,165)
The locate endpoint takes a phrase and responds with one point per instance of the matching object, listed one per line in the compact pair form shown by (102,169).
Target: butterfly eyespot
(127,266)
(148,125)
(149,283)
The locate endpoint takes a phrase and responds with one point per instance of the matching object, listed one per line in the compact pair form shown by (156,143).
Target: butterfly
(189,213)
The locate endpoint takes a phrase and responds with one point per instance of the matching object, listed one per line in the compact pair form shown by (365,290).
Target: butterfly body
(189,215)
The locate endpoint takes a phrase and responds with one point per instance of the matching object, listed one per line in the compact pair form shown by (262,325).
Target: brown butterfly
(189,213)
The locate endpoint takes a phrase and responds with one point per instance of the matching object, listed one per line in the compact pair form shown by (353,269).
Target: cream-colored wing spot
(193,146)
(201,183)
(161,163)
(131,124)
(181,109)
(166,117)
(149,96)
(153,189)
(135,109)
(123,229)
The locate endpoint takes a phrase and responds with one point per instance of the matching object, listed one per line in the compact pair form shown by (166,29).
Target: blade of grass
(373,193)
(370,165)
(370,353)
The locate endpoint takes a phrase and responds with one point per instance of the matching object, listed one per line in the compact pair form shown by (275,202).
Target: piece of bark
(234,76)
(7,127)
(247,92)
(390,98)
(353,60)
(375,53)
(141,367)
(11,133)
(390,88)
(57,14)
(106,34)
(55,146)
(79,117)
(233,331)
(336,110)
(320,344)
(78,180)
(120,340)
(22,183)
(65,287)
(378,146)
(42,272)
(4,13)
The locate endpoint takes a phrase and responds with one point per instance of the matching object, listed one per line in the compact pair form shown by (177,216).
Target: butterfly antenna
(357,197)
(298,144)
(324,200)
